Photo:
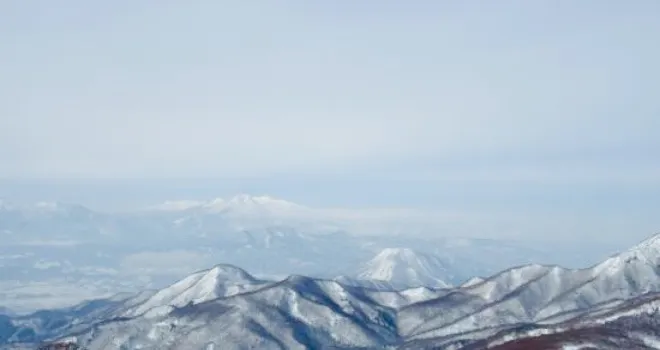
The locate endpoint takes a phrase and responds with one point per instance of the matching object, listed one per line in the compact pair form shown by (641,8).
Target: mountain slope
(404,267)
(533,293)
(633,324)
(45,324)
(219,281)
(296,313)
(226,307)
(94,254)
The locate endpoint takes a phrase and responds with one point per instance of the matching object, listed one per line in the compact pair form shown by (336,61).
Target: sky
(546,108)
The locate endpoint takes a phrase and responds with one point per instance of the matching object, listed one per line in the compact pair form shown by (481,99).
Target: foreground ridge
(612,304)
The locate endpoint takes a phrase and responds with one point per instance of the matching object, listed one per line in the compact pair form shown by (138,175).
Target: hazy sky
(504,102)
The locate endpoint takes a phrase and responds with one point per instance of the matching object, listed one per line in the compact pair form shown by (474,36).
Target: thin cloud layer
(215,90)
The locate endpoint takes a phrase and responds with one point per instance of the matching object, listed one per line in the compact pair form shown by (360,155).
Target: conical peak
(397,253)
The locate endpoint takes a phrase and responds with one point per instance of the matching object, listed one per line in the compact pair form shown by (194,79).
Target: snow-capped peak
(397,253)
(244,198)
(406,267)
(645,253)
(649,248)
(247,204)
(244,201)
(241,203)
(219,281)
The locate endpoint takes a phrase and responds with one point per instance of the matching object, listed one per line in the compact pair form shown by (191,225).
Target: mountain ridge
(239,202)
(524,302)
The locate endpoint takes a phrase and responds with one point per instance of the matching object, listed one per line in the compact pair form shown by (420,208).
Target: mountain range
(80,253)
(610,305)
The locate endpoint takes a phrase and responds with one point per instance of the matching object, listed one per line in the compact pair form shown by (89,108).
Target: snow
(472,282)
(225,305)
(294,313)
(650,341)
(535,292)
(260,233)
(219,281)
(528,334)
(406,267)
(239,204)
(646,252)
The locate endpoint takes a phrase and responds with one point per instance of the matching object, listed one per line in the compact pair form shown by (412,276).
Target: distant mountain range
(614,304)
(81,253)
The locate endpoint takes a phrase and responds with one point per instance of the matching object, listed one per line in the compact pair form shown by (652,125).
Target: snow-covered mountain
(51,221)
(295,313)
(625,324)
(80,253)
(629,324)
(404,267)
(242,204)
(31,329)
(536,303)
(218,282)
(534,293)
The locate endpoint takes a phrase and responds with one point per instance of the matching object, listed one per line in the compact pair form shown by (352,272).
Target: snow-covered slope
(109,252)
(632,324)
(219,281)
(533,293)
(106,253)
(403,267)
(46,324)
(226,306)
(242,204)
(296,313)
(472,281)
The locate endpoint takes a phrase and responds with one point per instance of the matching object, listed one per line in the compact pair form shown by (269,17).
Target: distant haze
(545,111)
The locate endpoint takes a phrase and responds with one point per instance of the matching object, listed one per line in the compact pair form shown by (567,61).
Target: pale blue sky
(515,104)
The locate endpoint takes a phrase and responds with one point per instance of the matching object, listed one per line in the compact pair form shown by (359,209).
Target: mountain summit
(406,267)
(617,299)
(648,251)
(239,204)
(219,281)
